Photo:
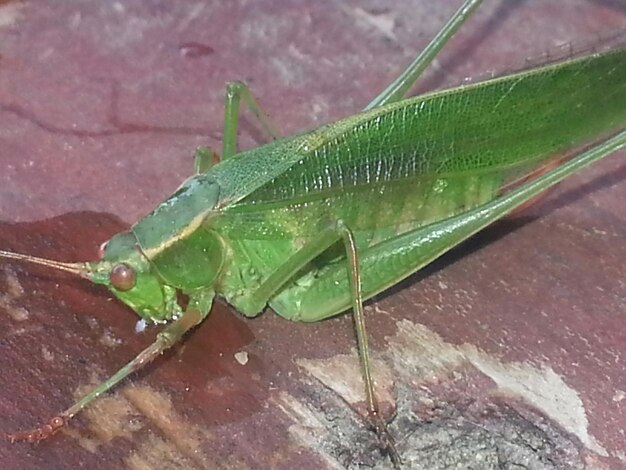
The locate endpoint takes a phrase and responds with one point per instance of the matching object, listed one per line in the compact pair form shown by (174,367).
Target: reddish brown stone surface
(521,353)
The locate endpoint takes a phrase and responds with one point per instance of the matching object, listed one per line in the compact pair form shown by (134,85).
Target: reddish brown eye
(123,277)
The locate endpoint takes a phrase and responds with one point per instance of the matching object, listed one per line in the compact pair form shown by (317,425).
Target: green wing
(431,157)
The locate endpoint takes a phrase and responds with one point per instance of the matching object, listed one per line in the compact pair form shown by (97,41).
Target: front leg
(206,157)
(197,311)
(235,93)
(256,300)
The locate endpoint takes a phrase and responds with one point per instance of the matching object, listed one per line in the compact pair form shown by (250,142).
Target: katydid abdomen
(406,165)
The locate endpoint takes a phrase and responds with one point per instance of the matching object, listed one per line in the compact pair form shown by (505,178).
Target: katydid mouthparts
(385,191)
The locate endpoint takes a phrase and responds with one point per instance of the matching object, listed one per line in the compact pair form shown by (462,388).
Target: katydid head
(128,274)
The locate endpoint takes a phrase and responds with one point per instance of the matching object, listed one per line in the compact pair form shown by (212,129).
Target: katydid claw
(39,434)
(385,438)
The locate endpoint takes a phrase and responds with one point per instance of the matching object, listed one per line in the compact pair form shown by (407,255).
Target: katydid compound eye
(123,277)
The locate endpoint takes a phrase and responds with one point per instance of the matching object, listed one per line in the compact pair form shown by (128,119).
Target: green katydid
(290,223)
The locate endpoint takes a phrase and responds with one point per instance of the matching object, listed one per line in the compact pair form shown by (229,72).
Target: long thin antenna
(80,269)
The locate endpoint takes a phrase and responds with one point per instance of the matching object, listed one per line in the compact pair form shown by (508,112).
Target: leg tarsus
(39,434)
(385,438)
